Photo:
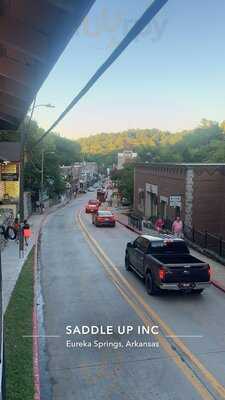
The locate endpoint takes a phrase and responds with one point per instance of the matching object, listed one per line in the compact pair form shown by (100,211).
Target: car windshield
(105,214)
(93,202)
(168,246)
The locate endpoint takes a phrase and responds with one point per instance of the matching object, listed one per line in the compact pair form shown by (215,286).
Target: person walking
(16,227)
(177,227)
(159,225)
(26,232)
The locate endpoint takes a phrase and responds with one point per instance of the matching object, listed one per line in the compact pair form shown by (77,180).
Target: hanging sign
(9,176)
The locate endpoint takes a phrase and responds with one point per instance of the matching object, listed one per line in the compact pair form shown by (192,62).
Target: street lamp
(22,150)
(49,105)
(34,106)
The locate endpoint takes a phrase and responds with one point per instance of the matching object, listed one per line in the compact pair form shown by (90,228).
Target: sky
(169,78)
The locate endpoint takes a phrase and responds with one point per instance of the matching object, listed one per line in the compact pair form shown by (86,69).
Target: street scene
(92,292)
(112,211)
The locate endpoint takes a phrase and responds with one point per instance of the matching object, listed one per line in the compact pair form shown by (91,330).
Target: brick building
(196,192)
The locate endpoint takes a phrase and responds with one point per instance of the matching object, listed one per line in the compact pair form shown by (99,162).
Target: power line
(148,15)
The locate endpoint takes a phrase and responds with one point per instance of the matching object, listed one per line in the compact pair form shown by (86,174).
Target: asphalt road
(76,290)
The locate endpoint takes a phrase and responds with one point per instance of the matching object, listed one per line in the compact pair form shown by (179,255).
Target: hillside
(206,143)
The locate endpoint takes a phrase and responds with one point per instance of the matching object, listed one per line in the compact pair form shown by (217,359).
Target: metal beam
(14,112)
(138,27)
(19,36)
(12,101)
(27,75)
(9,119)
(65,5)
(15,89)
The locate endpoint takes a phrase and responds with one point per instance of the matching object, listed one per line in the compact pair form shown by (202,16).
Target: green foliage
(19,349)
(206,143)
(124,180)
(9,136)
(57,151)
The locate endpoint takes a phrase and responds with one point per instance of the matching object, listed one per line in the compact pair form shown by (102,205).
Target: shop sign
(9,176)
(175,201)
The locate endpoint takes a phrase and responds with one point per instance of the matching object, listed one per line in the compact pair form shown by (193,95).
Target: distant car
(92,206)
(91,189)
(104,218)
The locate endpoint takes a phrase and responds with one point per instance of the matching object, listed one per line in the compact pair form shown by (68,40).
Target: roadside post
(21,196)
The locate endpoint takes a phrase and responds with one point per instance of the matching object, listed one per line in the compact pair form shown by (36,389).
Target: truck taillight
(209,272)
(162,274)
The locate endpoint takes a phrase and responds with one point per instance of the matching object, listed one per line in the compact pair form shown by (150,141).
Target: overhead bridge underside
(33,34)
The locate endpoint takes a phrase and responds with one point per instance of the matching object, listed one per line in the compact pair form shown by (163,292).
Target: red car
(104,218)
(92,206)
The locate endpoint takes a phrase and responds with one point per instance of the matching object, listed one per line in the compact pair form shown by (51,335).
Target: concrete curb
(217,284)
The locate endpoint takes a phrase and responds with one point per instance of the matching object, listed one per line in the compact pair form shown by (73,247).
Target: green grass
(18,350)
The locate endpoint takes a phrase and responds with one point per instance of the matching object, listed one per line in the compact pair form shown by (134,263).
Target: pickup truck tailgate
(184,268)
(187,273)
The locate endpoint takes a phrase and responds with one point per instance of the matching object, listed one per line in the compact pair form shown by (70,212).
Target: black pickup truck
(164,262)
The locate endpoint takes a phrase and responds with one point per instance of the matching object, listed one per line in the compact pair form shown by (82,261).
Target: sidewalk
(218,270)
(11,263)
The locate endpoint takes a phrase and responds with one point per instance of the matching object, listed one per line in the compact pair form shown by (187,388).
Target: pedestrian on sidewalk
(16,227)
(159,224)
(26,232)
(177,227)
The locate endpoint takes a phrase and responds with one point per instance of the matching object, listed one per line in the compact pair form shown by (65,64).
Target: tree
(57,151)
(124,179)
(222,126)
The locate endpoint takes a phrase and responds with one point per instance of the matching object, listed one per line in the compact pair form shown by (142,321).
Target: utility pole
(42,178)
(23,139)
(21,194)
(42,175)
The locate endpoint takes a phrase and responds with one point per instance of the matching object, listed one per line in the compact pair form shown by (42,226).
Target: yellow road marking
(168,331)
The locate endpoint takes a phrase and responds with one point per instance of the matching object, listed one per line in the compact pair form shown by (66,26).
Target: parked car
(165,263)
(104,218)
(92,206)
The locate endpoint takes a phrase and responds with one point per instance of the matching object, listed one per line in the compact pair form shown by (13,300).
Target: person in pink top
(159,225)
(177,227)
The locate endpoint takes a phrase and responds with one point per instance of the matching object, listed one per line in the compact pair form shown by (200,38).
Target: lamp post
(23,139)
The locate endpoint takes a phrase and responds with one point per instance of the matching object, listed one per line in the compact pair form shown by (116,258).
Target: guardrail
(205,240)
(135,222)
